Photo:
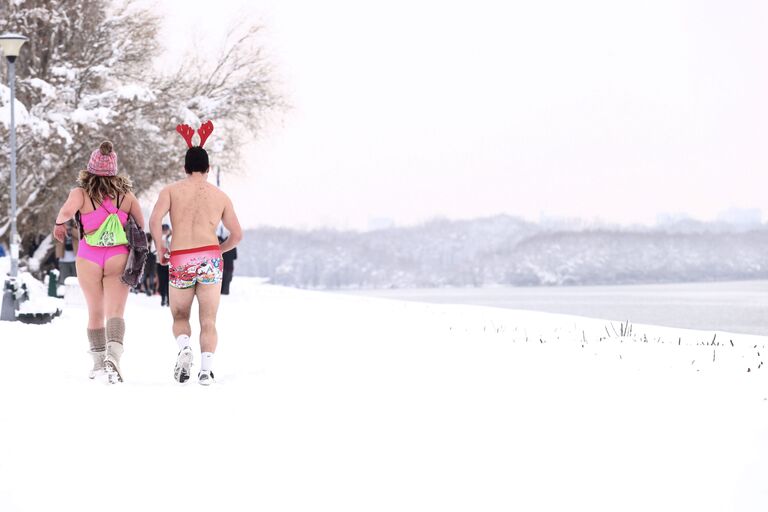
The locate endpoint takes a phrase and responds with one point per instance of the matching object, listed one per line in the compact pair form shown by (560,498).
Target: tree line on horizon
(503,250)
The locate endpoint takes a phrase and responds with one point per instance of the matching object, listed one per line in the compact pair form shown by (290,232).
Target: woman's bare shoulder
(127,203)
(85,203)
(77,194)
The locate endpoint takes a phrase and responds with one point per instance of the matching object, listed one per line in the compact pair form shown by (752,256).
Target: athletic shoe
(183,364)
(205,378)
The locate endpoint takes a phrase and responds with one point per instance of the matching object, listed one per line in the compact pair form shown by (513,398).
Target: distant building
(376,223)
(741,216)
(667,218)
(556,222)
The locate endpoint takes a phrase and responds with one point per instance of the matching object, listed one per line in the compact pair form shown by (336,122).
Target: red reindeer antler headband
(187,132)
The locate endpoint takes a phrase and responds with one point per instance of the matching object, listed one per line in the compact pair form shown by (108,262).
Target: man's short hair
(196,160)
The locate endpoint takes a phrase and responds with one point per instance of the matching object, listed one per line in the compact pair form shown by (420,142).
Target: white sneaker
(183,364)
(205,378)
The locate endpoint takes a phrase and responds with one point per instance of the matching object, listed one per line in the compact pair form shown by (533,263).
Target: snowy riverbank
(332,402)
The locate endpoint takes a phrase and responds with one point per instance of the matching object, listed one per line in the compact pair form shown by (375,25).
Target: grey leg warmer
(115,330)
(97,338)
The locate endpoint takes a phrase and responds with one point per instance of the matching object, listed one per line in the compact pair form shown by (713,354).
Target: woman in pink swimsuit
(102,192)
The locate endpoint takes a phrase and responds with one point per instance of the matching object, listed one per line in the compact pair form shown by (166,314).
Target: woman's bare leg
(89,275)
(115,291)
(115,296)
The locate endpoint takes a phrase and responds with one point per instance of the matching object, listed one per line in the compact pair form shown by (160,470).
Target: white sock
(206,362)
(183,341)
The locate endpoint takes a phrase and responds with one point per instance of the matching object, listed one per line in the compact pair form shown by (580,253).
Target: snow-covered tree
(86,75)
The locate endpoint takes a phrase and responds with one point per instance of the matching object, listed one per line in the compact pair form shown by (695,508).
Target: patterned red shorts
(202,265)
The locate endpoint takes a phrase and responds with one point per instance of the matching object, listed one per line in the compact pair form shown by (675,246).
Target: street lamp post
(217,149)
(11,45)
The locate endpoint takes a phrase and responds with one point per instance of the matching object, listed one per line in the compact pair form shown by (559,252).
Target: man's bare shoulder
(182,188)
(173,186)
(219,194)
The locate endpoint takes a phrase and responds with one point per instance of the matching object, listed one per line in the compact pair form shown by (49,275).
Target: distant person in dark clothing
(229,258)
(150,268)
(162,266)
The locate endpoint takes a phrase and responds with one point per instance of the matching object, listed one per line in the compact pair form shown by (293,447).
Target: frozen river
(740,307)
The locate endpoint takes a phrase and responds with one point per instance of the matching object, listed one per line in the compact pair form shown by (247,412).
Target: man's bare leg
(208,297)
(181,306)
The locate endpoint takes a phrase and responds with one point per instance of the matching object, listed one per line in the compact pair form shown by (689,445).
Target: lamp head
(11,45)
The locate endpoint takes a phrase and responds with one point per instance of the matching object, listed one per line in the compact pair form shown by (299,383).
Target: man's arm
(162,206)
(229,219)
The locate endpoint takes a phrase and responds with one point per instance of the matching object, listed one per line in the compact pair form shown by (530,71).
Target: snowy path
(330,402)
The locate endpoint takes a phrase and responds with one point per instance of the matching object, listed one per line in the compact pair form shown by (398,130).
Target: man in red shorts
(195,269)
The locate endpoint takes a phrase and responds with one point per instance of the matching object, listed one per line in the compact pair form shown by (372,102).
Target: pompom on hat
(103,161)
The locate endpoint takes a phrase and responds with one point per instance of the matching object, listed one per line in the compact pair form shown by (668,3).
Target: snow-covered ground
(333,402)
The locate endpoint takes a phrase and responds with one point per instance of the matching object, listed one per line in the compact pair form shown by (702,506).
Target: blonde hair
(98,187)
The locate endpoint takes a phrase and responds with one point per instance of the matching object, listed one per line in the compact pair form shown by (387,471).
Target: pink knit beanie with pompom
(103,161)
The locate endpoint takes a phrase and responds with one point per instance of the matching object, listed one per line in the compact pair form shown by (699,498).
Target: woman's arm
(73,203)
(138,215)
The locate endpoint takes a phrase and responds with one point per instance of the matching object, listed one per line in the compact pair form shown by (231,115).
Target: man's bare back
(196,207)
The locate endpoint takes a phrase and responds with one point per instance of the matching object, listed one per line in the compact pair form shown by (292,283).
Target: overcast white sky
(408,110)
